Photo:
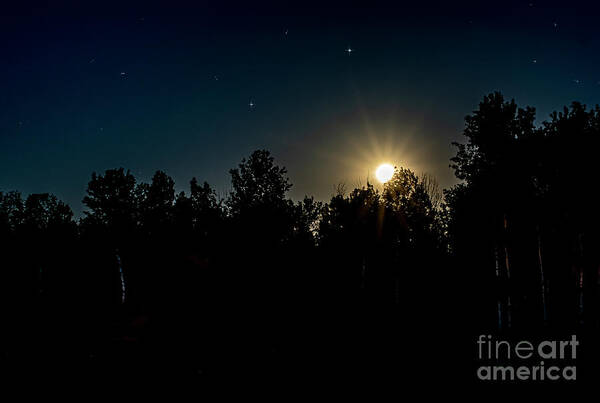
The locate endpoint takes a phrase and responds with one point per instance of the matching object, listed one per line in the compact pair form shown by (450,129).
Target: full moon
(384,172)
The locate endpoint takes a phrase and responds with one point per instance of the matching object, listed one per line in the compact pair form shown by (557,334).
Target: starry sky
(332,90)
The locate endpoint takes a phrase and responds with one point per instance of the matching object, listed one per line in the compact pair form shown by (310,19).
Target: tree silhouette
(519,219)
(156,202)
(111,200)
(260,283)
(569,217)
(257,184)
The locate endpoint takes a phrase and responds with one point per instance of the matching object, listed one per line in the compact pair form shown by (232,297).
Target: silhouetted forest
(151,282)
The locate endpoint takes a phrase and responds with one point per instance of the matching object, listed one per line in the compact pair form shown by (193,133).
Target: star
(285,32)
(349,50)
(555,25)
(251,104)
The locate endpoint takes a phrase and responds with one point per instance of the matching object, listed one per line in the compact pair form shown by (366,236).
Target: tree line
(258,277)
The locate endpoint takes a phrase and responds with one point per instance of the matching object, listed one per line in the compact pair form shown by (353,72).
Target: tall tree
(257,182)
(156,202)
(111,200)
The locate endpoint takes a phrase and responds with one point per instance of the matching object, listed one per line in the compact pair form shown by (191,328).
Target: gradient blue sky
(182,105)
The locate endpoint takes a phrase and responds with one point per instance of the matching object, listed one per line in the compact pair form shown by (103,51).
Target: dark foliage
(257,283)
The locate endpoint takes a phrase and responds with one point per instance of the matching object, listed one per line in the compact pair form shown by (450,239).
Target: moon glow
(384,172)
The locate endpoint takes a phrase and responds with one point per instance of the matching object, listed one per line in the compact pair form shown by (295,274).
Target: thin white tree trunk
(542,276)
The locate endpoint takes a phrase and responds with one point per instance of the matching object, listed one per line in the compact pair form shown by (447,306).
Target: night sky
(192,90)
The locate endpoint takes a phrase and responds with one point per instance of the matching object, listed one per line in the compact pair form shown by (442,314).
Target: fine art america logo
(547,360)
